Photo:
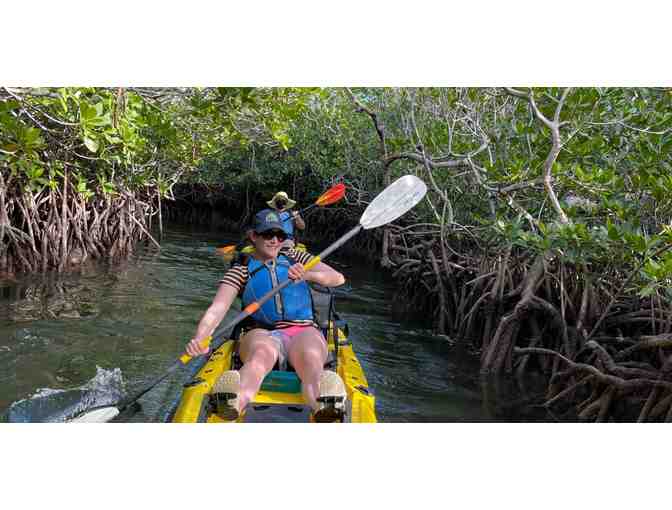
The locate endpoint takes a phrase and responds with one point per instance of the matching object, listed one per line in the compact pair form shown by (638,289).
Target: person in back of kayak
(290,219)
(282,329)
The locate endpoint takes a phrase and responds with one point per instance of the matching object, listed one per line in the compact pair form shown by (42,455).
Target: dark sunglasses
(270,234)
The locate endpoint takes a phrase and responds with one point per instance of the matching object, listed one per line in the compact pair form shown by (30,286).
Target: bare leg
(307,354)
(259,353)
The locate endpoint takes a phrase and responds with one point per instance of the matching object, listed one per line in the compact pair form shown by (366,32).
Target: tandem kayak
(280,398)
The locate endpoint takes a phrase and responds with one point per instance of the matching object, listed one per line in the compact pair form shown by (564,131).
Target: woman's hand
(324,275)
(297,272)
(194,348)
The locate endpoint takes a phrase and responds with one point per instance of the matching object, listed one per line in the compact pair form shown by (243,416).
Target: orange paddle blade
(225,250)
(332,195)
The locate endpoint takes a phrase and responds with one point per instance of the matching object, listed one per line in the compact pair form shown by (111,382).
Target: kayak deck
(280,398)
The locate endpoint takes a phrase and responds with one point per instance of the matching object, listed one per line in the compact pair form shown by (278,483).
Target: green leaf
(112,139)
(91,144)
(32,138)
(63,102)
(613,232)
(86,112)
(9,105)
(647,291)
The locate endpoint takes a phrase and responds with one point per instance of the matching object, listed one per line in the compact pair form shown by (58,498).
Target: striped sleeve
(302,257)
(236,277)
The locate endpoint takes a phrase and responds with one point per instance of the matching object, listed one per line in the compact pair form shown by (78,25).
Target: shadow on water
(134,319)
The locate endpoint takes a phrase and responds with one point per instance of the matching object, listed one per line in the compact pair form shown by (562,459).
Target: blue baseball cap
(268,219)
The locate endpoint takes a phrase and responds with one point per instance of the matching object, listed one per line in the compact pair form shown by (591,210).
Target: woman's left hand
(297,272)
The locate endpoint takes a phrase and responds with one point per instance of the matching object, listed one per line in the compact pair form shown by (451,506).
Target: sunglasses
(270,234)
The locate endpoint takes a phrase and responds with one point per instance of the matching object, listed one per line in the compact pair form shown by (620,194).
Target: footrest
(331,400)
(221,405)
(282,382)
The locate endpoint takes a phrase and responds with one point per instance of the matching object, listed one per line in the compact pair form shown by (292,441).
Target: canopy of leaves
(136,138)
(486,154)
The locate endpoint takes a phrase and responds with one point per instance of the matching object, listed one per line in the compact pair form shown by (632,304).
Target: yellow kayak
(280,398)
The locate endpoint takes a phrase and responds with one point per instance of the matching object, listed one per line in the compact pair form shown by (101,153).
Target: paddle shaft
(300,211)
(331,196)
(128,401)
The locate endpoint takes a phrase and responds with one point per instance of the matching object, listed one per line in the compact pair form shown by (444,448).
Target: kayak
(280,398)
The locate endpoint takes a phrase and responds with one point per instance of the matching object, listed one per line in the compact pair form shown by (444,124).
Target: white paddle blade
(98,416)
(394,201)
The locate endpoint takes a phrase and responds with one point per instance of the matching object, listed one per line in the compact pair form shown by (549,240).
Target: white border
(334,44)
(302,43)
(302,466)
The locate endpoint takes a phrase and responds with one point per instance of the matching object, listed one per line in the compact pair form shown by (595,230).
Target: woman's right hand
(194,348)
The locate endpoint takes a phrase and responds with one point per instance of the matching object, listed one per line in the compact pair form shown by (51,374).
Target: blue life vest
(287,224)
(293,303)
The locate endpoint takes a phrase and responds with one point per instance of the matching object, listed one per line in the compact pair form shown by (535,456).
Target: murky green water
(56,329)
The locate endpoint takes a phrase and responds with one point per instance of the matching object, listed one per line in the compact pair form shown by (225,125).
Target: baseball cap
(267,219)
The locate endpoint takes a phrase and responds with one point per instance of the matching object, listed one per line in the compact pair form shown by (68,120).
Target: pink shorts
(294,330)
(283,339)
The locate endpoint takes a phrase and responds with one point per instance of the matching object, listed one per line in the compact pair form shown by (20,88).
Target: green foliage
(138,138)
(612,176)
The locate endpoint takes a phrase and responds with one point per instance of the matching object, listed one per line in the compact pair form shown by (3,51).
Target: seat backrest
(323,301)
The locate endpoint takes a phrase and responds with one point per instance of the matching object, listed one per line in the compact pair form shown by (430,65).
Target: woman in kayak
(283,328)
(290,219)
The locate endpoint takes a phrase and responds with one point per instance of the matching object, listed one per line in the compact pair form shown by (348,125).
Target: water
(70,332)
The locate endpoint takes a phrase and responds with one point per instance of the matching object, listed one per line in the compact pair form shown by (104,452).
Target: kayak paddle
(331,196)
(394,201)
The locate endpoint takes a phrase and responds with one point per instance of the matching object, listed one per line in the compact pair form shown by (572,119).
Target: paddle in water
(331,196)
(394,201)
